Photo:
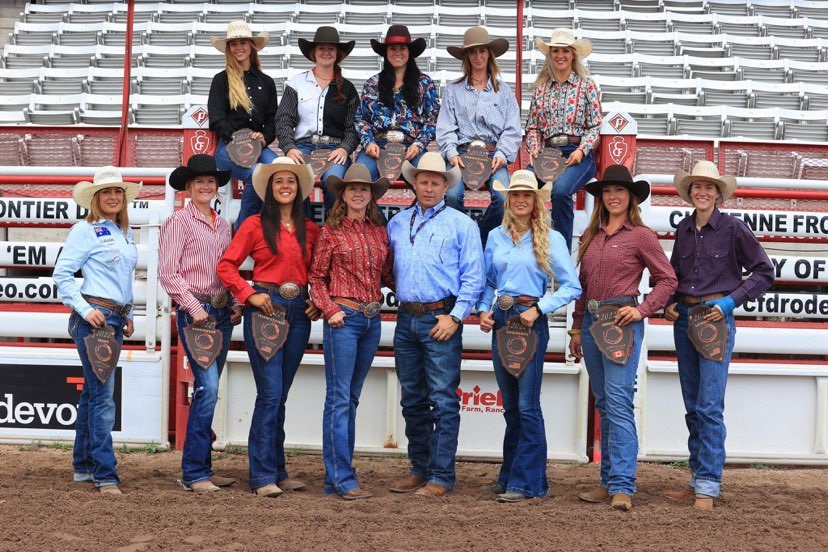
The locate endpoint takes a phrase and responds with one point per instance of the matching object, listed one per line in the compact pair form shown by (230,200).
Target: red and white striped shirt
(190,250)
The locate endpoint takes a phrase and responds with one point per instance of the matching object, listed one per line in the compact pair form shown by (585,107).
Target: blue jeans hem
(526,493)
(107,483)
(194,481)
(707,487)
(263,481)
(445,483)
(82,477)
(329,489)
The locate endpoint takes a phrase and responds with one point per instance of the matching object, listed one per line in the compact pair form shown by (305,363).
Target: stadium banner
(27,210)
(790,268)
(45,254)
(796,224)
(44,290)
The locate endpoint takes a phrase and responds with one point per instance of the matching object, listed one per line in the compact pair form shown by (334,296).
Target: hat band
(517,187)
(398,40)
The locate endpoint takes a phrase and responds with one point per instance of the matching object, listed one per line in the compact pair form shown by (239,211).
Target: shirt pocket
(493,115)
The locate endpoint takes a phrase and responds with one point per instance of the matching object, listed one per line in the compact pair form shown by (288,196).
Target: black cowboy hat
(399,34)
(200,164)
(325,35)
(620,175)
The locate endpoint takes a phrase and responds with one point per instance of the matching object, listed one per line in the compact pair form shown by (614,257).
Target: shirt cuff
(245,294)
(739,296)
(451,153)
(332,311)
(460,312)
(501,155)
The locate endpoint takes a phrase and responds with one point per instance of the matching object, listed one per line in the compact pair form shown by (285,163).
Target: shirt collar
(195,213)
(487,88)
(419,210)
(714,221)
(627,224)
(348,221)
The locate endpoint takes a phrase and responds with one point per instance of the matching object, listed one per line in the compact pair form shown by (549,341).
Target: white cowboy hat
(708,172)
(565,37)
(240,29)
(105,177)
(524,181)
(431,161)
(263,171)
(478,36)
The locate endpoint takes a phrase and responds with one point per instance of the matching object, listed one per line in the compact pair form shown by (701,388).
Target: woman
(565,113)
(711,253)
(351,262)
(103,248)
(318,106)
(281,242)
(480,107)
(241,97)
(192,242)
(615,250)
(521,257)
(399,104)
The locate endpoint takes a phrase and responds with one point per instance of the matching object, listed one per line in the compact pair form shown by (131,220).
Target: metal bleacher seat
(266,14)
(777,10)
(739,25)
(788,95)
(642,5)
(543,20)
(62,80)
(646,22)
(699,121)
(754,124)
(422,14)
(159,110)
(606,42)
(224,13)
(160,81)
(207,57)
(500,17)
(812,9)
(106,80)
(180,13)
(611,64)
(359,14)
(168,34)
(19,82)
(733,7)
(88,13)
(692,23)
(674,91)
(661,44)
(791,28)
(114,34)
(736,93)
(752,47)
(101,109)
(809,72)
(79,34)
(668,67)
(816,97)
(43,13)
(143,12)
(54,110)
(809,50)
(599,21)
(34,33)
(807,126)
(470,16)
(601,5)
(318,14)
(72,56)
(15,108)
(774,70)
(152,55)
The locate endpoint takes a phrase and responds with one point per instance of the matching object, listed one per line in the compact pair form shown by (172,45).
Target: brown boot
(410,483)
(271,490)
(220,481)
(686,494)
(596,495)
(292,484)
(622,501)
(433,490)
(703,503)
(357,494)
(110,490)
(200,487)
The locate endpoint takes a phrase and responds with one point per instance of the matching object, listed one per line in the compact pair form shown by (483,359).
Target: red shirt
(288,265)
(352,262)
(612,267)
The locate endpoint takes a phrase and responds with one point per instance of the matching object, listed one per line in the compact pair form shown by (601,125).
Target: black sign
(613,340)
(516,346)
(478,168)
(318,161)
(34,396)
(709,338)
(391,160)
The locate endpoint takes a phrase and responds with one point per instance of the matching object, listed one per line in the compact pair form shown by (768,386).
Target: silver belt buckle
(593,306)
(289,290)
(477,142)
(371,309)
(394,136)
(505,302)
(314,138)
(560,140)
(219,300)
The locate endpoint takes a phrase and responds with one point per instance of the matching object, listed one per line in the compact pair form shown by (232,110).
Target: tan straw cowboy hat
(566,38)
(478,36)
(240,29)
(263,171)
(524,181)
(708,172)
(357,174)
(431,161)
(105,177)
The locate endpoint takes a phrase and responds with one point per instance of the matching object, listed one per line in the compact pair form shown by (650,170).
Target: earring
(535,212)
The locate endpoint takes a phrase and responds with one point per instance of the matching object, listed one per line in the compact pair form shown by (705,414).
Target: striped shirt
(352,262)
(190,250)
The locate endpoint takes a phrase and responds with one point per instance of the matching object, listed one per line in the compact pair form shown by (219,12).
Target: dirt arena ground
(41,509)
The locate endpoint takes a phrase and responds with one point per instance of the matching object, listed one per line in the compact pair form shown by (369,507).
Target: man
(438,269)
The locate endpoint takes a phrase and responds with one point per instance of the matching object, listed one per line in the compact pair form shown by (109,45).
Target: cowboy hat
(263,172)
(524,181)
(105,177)
(200,164)
(707,171)
(357,174)
(478,36)
(240,29)
(619,175)
(431,161)
(565,37)
(399,34)
(325,35)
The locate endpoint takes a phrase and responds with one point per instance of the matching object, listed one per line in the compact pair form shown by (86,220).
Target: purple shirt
(711,260)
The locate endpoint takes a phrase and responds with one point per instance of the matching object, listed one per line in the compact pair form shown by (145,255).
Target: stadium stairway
(9,13)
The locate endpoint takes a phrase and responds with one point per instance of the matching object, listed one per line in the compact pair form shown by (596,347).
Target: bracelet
(574,332)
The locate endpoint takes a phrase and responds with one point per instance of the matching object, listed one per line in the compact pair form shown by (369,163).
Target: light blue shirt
(105,257)
(445,259)
(513,270)
(467,114)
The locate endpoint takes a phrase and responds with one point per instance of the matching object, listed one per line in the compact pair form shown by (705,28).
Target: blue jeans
(334,169)
(266,442)
(250,202)
(703,384)
(493,215)
(568,183)
(429,374)
(524,443)
(349,352)
(196,463)
(613,386)
(93,457)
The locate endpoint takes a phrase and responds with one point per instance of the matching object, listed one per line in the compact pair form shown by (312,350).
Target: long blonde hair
(600,216)
(547,72)
(96,212)
(537,226)
(492,69)
(235,79)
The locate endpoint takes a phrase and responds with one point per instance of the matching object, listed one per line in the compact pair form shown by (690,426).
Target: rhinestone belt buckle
(394,136)
(505,302)
(477,142)
(593,305)
(219,300)
(560,140)
(371,309)
(289,290)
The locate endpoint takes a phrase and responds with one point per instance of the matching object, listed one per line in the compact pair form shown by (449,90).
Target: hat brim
(84,191)
(582,46)
(545,192)
(640,189)
(415,48)
(410,172)
(263,172)
(498,46)
(259,41)
(307,46)
(336,185)
(682,182)
(179,177)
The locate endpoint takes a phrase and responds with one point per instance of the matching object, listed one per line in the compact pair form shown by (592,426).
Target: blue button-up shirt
(106,258)
(445,259)
(513,270)
(467,114)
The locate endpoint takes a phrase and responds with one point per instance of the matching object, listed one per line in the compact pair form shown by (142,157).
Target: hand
(486,321)
(372,150)
(457,162)
(575,347)
(575,157)
(724,306)
(497,162)
(262,302)
(336,320)
(312,311)
(671,313)
(444,328)
(95,318)
(236,317)
(129,328)
(412,152)
(338,156)
(533,154)
(627,315)
(259,136)
(528,317)
(200,317)
(297,156)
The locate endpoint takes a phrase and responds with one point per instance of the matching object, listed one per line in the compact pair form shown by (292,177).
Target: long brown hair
(600,216)
(96,212)
(492,69)
(272,218)
(340,210)
(235,79)
(537,226)
(338,79)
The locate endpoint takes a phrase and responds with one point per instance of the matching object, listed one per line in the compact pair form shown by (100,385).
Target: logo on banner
(45,397)
(481,401)
(619,122)
(200,116)
(618,149)
(200,141)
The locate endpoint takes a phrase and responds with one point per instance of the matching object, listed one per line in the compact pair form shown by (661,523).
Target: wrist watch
(456,320)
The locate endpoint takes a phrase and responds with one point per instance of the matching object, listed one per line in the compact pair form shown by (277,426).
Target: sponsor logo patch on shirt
(101,231)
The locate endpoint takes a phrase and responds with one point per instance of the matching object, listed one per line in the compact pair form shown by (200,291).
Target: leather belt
(370,310)
(481,143)
(418,309)
(506,302)
(563,140)
(324,139)
(691,300)
(593,304)
(288,290)
(117,308)
(217,300)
